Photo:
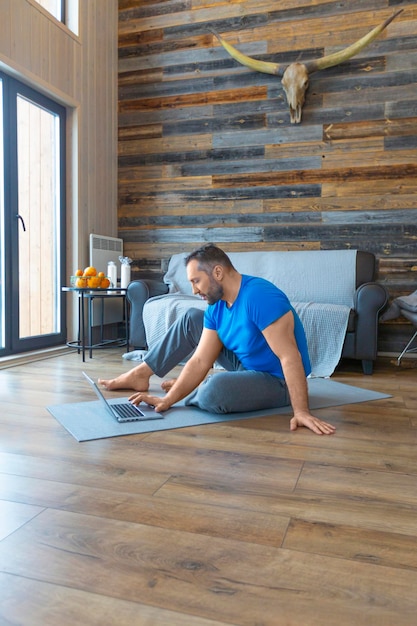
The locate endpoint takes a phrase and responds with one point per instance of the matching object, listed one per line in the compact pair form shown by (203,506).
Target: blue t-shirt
(259,303)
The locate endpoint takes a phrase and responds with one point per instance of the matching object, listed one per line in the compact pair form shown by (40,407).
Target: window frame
(12,87)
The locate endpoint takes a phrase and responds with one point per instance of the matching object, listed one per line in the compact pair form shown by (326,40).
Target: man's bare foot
(167,384)
(136,379)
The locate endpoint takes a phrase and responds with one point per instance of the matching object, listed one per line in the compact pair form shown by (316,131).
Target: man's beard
(214,293)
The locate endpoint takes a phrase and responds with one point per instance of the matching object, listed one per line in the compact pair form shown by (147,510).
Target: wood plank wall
(207,151)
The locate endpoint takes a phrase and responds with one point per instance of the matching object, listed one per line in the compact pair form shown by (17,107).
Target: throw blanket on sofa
(320,284)
(325,326)
(325,276)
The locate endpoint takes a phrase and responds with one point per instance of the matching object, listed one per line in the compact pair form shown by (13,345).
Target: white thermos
(112,273)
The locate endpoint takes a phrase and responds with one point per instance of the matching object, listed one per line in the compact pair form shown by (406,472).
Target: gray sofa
(334,292)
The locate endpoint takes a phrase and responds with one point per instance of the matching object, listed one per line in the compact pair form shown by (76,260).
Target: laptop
(124,411)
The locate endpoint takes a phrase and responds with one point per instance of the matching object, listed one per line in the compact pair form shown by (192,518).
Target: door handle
(19,217)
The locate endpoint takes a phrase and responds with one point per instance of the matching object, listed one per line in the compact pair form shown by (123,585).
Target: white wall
(80,71)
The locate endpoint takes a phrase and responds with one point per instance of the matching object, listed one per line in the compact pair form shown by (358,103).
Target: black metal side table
(85,329)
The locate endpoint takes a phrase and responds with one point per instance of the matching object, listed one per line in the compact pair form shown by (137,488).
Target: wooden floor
(238,523)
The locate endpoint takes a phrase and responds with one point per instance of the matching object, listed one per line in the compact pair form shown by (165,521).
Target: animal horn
(312,66)
(343,55)
(259,66)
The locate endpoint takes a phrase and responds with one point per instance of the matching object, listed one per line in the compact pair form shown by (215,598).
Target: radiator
(102,250)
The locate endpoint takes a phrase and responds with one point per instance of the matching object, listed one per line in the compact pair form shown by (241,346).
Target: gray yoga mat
(87,420)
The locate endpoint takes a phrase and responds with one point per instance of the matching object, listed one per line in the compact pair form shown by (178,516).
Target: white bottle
(112,273)
(125,275)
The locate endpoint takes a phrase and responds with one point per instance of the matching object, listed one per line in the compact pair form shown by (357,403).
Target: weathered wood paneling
(207,152)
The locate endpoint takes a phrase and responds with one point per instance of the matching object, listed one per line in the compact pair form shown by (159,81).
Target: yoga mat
(86,421)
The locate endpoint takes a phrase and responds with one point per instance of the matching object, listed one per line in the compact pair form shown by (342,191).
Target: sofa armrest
(365,267)
(370,299)
(138,292)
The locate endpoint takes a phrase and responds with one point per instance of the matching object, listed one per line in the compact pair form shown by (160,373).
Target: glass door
(2,225)
(33,220)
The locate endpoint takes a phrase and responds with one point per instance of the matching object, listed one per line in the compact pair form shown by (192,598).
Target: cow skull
(295,77)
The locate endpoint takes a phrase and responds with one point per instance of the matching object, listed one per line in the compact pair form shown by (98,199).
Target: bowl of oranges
(89,278)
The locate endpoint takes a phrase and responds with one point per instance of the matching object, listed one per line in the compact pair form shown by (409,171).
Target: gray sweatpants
(231,391)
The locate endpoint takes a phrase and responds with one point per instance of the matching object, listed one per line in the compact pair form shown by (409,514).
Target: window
(2,222)
(65,11)
(55,7)
(32,211)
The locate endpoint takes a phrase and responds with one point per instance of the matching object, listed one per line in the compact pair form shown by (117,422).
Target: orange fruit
(105,283)
(93,282)
(101,274)
(90,271)
(81,282)
(78,273)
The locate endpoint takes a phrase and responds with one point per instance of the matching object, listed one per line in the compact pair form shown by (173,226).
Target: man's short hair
(208,257)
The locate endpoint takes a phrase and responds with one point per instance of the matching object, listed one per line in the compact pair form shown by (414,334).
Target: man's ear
(218,272)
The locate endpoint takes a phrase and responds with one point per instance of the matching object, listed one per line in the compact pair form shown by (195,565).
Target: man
(250,328)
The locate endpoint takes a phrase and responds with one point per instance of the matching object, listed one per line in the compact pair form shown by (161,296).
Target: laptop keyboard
(128,410)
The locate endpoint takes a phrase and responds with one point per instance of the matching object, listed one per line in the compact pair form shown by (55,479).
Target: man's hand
(159,404)
(313,423)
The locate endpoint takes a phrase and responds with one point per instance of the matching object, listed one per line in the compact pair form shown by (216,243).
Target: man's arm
(281,339)
(192,374)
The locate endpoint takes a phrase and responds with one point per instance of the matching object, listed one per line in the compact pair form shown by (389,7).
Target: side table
(85,329)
